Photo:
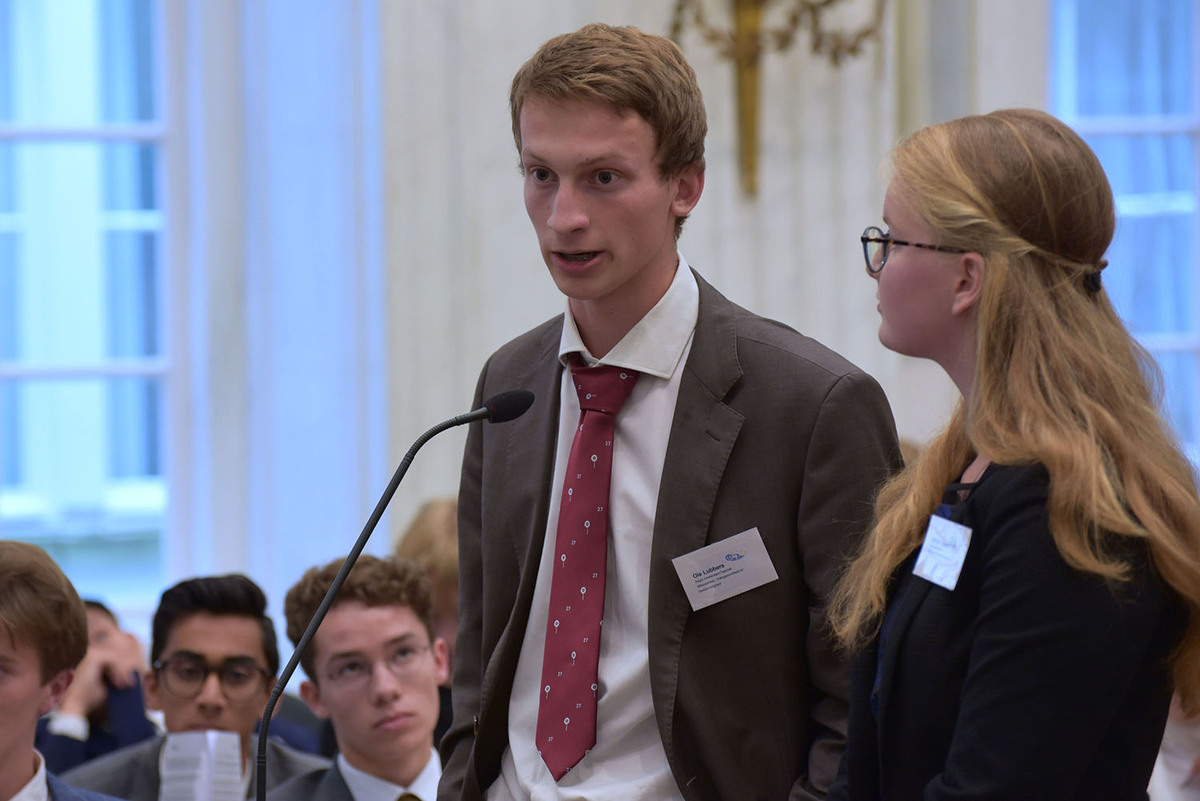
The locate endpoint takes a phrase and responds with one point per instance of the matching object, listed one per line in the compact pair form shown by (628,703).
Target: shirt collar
(657,342)
(36,789)
(365,787)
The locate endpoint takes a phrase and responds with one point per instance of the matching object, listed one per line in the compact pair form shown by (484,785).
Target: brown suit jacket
(771,430)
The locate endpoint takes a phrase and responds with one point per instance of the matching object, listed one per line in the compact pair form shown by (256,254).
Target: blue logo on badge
(734,556)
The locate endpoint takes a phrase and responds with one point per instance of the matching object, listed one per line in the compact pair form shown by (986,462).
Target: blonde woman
(1030,590)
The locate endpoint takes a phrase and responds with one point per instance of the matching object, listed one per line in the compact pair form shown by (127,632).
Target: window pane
(10,454)
(1135,57)
(77,62)
(1154,181)
(83,244)
(1181,379)
(68,499)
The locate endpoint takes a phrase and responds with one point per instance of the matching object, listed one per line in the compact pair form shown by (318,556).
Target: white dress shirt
(365,787)
(628,761)
(36,789)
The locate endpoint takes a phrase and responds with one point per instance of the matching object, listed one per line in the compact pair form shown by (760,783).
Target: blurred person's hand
(114,662)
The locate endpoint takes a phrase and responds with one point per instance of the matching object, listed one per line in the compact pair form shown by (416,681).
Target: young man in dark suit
(713,677)
(43,636)
(213,661)
(373,670)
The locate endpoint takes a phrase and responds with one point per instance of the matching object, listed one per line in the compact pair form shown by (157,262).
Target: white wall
(355,243)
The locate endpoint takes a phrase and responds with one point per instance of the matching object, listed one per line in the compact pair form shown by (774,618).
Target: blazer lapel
(332,786)
(703,434)
(528,444)
(907,603)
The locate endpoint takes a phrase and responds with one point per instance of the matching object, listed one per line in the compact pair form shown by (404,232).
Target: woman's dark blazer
(1030,680)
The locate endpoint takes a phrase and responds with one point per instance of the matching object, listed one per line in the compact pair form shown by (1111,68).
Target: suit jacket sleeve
(853,448)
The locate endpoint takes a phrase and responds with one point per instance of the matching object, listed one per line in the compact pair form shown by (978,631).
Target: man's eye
(351,669)
(237,676)
(190,672)
(605,177)
(539,174)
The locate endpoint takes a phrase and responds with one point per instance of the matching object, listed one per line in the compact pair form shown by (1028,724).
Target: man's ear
(968,283)
(311,694)
(53,690)
(441,660)
(688,183)
(151,690)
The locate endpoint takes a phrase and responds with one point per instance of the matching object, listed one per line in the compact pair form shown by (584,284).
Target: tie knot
(603,388)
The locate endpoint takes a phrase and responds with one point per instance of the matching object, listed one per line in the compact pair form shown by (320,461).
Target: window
(1125,75)
(83,361)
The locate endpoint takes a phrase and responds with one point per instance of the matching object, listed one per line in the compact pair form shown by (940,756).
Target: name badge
(725,569)
(943,552)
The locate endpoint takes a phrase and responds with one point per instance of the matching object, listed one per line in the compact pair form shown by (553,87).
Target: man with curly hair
(373,670)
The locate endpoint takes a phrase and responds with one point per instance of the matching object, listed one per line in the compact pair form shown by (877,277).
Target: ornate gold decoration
(747,42)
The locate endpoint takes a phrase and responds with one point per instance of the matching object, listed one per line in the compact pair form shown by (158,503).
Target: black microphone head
(508,405)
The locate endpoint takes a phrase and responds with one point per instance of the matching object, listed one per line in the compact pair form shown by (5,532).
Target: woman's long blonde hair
(1058,382)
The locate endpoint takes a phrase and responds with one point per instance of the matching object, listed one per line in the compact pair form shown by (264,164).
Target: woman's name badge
(943,552)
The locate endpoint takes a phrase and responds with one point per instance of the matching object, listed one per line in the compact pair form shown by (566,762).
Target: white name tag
(725,569)
(943,552)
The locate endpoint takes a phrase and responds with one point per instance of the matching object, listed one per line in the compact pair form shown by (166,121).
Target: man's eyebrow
(183,652)
(402,639)
(613,156)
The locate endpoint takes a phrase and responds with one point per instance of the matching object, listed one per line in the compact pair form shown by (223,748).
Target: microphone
(496,409)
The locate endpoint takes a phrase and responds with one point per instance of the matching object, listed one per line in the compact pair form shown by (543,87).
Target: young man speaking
(691,475)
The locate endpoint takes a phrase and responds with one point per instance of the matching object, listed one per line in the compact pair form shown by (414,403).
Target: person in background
(373,670)
(431,540)
(1030,589)
(213,663)
(103,708)
(667,419)
(43,636)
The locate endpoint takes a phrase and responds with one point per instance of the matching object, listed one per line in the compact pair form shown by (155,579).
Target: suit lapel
(528,444)
(529,447)
(332,786)
(703,434)
(907,603)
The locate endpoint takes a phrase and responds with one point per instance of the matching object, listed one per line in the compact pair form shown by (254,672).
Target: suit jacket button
(476,719)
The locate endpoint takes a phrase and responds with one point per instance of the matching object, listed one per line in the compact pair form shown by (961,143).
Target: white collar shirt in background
(36,789)
(365,787)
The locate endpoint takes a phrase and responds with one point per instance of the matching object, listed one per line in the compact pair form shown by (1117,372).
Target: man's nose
(385,684)
(210,691)
(567,210)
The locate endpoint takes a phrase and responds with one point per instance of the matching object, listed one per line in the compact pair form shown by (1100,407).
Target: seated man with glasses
(214,658)
(374,668)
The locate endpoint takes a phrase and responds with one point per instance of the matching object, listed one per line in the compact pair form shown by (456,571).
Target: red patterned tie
(566,724)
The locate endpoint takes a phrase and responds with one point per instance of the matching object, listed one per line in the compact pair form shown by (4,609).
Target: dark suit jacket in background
(1029,681)
(61,791)
(771,430)
(317,785)
(133,773)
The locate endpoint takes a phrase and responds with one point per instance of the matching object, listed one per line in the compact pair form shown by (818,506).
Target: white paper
(202,766)
(724,569)
(943,552)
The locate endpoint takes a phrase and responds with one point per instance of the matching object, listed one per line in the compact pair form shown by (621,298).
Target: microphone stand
(498,409)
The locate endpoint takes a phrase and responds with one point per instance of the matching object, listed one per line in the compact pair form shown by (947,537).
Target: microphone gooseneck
(497,409)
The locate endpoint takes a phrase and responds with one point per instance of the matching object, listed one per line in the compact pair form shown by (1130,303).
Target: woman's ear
(969,282)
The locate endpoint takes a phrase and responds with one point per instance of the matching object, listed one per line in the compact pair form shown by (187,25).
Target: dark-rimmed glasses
(183,676)
(877,246)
